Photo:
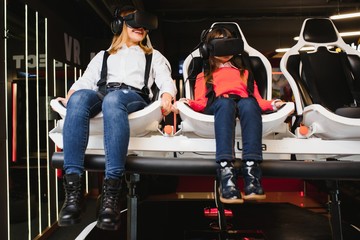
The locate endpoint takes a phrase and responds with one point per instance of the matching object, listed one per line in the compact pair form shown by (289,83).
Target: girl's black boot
(227,178)
(252,174)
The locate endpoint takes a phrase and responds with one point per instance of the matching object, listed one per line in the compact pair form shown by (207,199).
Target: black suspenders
(102,82)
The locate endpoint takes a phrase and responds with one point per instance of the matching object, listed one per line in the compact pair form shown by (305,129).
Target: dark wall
(3,166)
(74,30)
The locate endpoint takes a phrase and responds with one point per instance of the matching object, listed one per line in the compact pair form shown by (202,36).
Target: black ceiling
(236,8)
(267,25)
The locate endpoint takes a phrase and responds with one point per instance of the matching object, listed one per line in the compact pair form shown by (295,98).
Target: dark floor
(185,220)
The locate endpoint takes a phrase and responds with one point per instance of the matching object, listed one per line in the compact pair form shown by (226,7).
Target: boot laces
(110,197)
(73,193)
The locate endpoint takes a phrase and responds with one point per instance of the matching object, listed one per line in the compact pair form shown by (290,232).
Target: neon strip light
(27,124)
(47,124)
(57,171)
(14,122)
(344,16)
(6,125)
(38,121)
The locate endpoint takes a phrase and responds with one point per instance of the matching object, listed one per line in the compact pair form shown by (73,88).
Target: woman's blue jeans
(85,104)
(225,111)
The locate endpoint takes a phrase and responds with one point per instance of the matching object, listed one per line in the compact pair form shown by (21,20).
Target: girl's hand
(184,100)
(277,104)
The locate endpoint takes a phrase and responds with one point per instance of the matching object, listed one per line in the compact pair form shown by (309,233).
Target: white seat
(203,125)
(322,93)
(141,122)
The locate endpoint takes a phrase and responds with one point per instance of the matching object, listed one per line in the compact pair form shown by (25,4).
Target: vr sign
(72,49)
(72,54)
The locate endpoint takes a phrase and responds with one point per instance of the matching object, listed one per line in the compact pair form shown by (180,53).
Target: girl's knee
(250,101)
(225,103)
(248,104)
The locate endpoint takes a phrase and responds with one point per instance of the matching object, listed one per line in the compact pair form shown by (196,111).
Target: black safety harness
(351,80)
(210,93)
(102,83)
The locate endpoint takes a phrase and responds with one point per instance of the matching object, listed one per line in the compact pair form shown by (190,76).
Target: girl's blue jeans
(225,111)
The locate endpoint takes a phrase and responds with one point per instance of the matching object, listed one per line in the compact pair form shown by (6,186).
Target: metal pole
(132,206)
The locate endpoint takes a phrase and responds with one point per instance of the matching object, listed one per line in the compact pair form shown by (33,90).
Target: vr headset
(222,47)
(138,19)
(141,19)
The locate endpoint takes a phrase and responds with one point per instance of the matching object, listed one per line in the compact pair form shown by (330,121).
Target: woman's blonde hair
(213,62)
(119,40)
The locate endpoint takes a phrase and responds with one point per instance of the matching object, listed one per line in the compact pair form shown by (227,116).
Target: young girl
(229,80)
(125,79)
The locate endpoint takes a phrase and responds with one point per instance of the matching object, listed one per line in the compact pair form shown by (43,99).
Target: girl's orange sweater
(226,80)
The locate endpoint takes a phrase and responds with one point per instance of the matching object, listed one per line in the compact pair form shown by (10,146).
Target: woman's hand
(166,105)
(63,100)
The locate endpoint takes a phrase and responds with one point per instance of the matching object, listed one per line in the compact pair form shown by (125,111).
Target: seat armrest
(58,107)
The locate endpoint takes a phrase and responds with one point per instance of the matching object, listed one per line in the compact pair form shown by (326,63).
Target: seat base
(203,125)
(327,125)
(141,123)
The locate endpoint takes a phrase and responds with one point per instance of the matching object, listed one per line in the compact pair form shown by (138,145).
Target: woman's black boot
(109,212)
(70,212)
(252,174)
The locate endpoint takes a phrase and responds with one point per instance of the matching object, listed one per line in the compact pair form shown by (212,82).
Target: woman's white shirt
(128,66)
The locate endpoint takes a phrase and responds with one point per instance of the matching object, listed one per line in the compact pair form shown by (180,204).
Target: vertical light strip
(27,123)
(86,172)
(47,125)
(14,121)
(54,76)
(75,73)
(6,125)
(55,170)
(38,118)
(65,78)
(66,86)
(87,181)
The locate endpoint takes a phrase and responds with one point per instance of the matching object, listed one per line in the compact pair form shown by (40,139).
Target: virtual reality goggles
(141,19)
(225,46)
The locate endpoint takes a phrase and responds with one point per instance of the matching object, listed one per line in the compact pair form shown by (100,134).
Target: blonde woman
(124,94)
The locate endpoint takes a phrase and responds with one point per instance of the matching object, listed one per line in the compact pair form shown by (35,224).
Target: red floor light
(59,173)
(213,213)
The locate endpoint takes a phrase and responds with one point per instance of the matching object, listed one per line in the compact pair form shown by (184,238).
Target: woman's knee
(82,103)
(77,96)
(114,100)
(83,97)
